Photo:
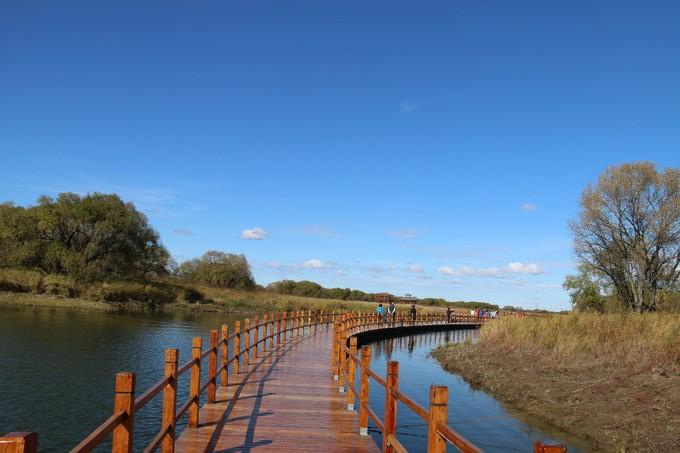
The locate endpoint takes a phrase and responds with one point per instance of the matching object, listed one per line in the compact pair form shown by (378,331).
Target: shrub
(20,280)
(59,285)
(157,294)
(191,295)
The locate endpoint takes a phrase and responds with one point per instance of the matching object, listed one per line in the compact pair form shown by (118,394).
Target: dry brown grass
(613,380)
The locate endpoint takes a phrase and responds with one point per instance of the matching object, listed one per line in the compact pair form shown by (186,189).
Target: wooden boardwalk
(289,403)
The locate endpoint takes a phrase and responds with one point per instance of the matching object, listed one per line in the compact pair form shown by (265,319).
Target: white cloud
(415,268)
(183,231)
(447,270)
(521,268)
(511,268)
(529,207)
(470,271)
(314,264)
(254,234)
(274,264)
(407,107)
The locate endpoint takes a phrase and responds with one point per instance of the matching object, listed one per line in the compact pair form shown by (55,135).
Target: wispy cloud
(314,264)
(407,107)
(529,207)
(415,268)
(405,233)
(469,271)
(254,234)
(274,264)
(511,268)
(521,268)
(183,232)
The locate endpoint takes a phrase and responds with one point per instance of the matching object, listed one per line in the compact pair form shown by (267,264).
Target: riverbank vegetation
(97,248)
(613,379)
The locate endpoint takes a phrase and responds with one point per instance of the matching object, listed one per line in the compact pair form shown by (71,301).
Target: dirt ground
(615,408)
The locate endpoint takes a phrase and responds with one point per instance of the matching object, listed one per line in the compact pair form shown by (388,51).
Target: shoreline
(612,397)
(34,301)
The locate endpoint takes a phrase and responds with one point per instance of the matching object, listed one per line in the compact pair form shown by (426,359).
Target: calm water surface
(58,368)
(57,374)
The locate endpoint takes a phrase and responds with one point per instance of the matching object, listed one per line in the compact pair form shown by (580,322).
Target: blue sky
(435,148)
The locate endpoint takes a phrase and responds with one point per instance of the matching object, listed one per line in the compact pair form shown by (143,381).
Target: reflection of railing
(344,363)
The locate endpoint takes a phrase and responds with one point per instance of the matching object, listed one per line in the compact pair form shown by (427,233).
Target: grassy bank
(613,380)
(225,302)
(19,287)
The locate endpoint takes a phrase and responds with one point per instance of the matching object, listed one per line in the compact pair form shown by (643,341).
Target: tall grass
(628,338)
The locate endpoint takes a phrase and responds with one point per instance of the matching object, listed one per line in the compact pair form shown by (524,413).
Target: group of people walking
(389,315)
(482,313)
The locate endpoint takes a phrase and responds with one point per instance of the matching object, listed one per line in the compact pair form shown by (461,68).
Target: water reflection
(473,413)
(58,368)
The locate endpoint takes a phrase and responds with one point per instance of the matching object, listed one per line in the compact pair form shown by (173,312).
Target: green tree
(90,236)
(584,292)
(628,232)
(216,268)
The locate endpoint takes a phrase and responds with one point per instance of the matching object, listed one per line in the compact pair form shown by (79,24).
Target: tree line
(71,243)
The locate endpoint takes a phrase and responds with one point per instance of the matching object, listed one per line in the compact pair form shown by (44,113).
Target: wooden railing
(345,360)
(274,328)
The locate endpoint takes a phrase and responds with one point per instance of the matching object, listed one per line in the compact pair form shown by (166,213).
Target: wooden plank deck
(289,403)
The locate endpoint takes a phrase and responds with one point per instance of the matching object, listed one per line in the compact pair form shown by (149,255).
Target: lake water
(58,366)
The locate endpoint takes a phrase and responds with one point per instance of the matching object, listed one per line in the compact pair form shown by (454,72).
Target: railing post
(342,343)
(439,412)
(351,366)
(224,374)
(334,356)
(284,321)
(256,338)
(19,442)
(236,354)
(170,400)
(278,328)
(290,321)
(363,397)
(124,401)
(246,345)
(309,321)
(390,404)
(540,447)
(195,381)
(212,365)
(265,333)
(272,331)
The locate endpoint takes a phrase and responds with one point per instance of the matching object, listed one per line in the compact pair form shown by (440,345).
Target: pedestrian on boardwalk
(391,312)
(448,314)
(380,311)
(413,313)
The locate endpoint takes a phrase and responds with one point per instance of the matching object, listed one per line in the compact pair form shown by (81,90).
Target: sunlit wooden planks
(287,404)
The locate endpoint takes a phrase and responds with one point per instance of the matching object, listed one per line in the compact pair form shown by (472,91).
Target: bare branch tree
(628,232)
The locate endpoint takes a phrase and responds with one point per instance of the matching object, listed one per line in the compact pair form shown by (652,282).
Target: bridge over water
(286,383)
